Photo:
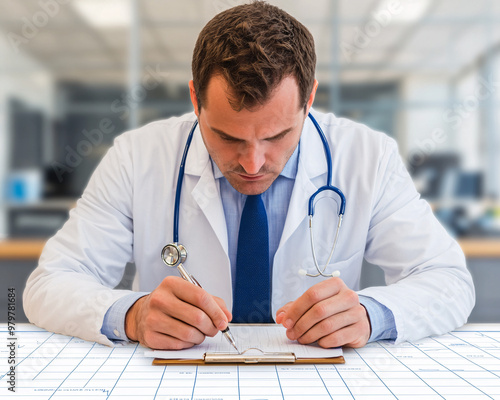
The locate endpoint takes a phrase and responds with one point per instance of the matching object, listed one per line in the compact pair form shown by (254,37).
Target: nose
(252,159)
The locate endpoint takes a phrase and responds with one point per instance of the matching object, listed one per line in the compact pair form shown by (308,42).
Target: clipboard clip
(214,358)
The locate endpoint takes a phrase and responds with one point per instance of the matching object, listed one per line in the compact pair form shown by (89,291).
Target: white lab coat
(126,213)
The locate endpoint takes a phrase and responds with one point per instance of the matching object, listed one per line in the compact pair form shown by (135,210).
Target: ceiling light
(404,11)
(104,13)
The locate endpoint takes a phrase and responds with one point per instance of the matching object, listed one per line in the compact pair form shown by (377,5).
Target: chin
(250,188)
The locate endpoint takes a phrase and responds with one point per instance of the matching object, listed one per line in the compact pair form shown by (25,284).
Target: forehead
(280,112)
(219,91)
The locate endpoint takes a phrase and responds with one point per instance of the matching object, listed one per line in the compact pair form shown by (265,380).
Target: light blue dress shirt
(276,200)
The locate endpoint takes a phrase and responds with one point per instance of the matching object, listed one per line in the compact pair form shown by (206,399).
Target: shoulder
(170,129)
(160,139)
(351,137)
(363,155)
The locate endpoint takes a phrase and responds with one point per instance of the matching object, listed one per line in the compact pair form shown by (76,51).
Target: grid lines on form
(462,365)
(453,367)
(39,343)
(417,385)
(485,356)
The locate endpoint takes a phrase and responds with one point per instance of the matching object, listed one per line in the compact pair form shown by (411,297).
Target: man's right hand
(176,315)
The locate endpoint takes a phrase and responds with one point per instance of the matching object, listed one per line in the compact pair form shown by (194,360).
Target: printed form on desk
(460,365)
(269,338)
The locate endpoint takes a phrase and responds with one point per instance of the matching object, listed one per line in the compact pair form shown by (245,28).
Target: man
(252,90)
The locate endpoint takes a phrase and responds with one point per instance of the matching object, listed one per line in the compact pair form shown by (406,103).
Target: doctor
(252,89)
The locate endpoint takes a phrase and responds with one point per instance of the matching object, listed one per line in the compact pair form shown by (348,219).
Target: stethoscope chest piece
(173,254)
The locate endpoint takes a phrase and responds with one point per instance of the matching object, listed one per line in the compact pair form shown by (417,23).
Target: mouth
(250,178)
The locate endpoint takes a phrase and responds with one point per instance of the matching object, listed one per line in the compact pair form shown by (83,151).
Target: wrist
(369,321)
(382,323)
(131,320)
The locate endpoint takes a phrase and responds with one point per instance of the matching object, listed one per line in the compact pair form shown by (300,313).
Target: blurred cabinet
(18,258)
(40,220)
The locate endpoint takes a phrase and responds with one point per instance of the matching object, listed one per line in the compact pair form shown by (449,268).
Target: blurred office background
(76,73)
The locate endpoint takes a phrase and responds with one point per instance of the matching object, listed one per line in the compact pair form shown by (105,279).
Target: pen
(190,278)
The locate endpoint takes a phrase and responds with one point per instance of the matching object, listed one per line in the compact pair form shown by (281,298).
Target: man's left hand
(328,312)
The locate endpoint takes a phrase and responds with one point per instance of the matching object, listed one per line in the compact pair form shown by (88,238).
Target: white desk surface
(464,364)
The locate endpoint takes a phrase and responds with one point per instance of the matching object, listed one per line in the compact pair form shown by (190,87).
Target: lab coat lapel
(206,192)
(312,164)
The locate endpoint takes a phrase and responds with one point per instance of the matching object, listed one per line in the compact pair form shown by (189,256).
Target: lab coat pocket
(349,270)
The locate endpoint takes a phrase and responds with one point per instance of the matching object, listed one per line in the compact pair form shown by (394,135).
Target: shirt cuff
(381,319)
(113,325)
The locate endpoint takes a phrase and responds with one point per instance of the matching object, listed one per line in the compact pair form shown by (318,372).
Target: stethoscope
(174,254)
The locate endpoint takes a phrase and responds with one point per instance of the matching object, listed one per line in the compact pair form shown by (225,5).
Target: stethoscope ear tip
(302,272)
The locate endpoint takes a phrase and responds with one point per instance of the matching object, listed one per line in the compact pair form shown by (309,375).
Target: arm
(429,288)
(71,291)
(72,287)
(430,291)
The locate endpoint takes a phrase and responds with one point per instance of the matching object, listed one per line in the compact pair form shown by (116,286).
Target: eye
(277,138)
(229,139)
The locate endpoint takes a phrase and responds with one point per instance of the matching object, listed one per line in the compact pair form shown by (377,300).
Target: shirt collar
(289,171)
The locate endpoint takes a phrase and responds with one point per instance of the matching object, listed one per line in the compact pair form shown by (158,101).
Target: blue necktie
(252,289)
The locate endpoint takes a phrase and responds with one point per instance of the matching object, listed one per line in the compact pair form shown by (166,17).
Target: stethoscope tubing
(328,186)
(179,183)
(180,250)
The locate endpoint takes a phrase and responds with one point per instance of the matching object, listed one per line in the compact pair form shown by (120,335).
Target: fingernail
(279,316)
(222,325)
(288,324)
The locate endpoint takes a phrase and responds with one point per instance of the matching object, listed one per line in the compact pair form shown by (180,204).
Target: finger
(351,336)
(328,325)
(341,302)
(154,317)
(185,312)
(160,341)
(222,305)
(313,295)
(174,328)
(196,306)
(280,314)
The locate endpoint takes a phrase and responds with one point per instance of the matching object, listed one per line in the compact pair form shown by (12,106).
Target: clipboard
(276,349)
(264,358)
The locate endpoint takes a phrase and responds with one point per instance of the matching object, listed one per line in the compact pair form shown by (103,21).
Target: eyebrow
(224,135)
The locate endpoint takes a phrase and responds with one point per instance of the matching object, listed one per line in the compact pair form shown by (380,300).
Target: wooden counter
(31,249)
(480,247)
(21,249)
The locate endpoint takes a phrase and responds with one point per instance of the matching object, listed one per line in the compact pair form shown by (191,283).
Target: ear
(194,99)
(312,96)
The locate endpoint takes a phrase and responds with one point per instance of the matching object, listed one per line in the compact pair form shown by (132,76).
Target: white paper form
(461,365)
(268,338)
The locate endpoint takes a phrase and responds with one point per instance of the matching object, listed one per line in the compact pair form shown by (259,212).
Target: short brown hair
(254,46)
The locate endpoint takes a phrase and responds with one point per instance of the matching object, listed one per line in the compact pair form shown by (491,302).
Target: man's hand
(176,315)
(328,312)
